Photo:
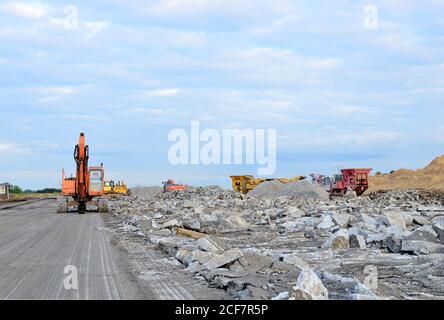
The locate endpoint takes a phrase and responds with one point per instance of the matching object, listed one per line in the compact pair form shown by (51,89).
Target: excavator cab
(96,181)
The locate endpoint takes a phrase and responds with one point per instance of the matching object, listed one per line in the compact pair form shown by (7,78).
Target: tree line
(18,190)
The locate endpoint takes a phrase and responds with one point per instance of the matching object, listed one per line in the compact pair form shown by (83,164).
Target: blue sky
(337,93)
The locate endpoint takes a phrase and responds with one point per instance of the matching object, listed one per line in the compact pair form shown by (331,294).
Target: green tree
(16,190)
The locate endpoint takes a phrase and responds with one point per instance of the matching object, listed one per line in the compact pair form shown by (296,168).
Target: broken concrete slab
(421,247)
(282,296)
(393,244)
(223,259)
(295,261)
(339,240)
(394,218)
(421,221)
(326,223)
(254,262)
(210,244)
(188,204)
(171,224)
(438,225)
(357,241)
(425,233)
(181,254)
(160,233)
(192,224)
(341,219)
(197,256)
(309,287)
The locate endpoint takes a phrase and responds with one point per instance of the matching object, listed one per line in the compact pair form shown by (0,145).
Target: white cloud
(348,109)
(324,64)
(54,90)
(93,28)
(164,92)
(205,8)
(51,94)
(25,10)
(156,111)
(7,148)
(350,139)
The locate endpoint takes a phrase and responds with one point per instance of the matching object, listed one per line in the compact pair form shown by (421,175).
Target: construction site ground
(36,245)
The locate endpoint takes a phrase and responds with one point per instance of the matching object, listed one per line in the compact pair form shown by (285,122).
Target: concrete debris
(341,219)
(254,246)
(339,240)
(421,247)
(192,224)
(327,223)
(295,261)
(160,233)
(197,256)
(393,244)
(301,189)
(346,288)
(394,218)
(438,225)
(223,259)
(282,296)
(309,287)
(357,241)
(426,233)
(421,221)
(210,244)
(146,192)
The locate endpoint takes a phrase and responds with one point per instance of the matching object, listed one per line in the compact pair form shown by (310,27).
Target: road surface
(36,245)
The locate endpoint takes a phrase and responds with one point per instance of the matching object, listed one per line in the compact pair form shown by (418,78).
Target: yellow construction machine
(245,184)
(111,187)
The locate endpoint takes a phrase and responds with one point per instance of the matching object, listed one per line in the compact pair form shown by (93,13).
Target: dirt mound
(300,189)
(429,178)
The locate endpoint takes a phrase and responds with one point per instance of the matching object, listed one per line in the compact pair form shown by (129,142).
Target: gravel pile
(146,192)
(301,189)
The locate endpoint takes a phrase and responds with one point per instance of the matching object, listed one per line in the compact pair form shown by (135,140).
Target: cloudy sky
(130,71)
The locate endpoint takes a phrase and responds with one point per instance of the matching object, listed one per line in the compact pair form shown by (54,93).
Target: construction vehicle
(171,185)
(120,188)
(245,184)
(111,187)
(108,187)
(87,185)
(348,180)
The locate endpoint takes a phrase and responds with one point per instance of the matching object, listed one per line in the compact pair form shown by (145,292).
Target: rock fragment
(309,287)
(223,259)
(357,241)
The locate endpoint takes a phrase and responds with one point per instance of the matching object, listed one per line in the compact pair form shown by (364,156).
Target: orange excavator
(88,184)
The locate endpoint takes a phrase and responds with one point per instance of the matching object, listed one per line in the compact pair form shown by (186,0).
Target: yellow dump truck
(245,184)
(111,187)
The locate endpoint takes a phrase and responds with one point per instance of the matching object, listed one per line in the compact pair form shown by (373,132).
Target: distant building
(5,189)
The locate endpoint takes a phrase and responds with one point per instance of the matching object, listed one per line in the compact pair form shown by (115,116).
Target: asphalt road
(37,245)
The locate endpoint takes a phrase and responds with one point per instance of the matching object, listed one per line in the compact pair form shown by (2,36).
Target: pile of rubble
(299,246)
(300,189)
